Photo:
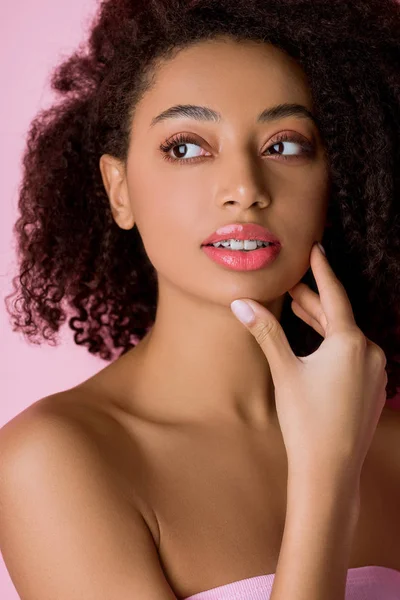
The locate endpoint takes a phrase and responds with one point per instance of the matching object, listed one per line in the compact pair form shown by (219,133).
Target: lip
(242,231)
(238,260)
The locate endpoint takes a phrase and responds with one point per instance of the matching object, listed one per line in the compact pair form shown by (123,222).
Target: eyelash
(184,138)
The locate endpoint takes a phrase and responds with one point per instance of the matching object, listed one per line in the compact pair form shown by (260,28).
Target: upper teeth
(241,244)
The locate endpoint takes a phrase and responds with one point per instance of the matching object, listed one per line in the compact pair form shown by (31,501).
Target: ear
(114,180)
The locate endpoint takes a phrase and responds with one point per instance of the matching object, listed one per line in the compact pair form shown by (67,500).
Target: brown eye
(182,150)
(179,146)
(279,148)
(289,146)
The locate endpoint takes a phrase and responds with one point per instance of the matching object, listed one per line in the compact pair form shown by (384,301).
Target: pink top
(363,583)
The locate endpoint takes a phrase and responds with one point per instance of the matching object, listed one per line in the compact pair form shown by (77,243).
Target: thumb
(268,332)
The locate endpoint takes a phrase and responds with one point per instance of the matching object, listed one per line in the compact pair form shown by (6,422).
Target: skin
(211,368)
(173,452)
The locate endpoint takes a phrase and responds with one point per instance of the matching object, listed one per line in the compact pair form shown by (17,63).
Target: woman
(198,152)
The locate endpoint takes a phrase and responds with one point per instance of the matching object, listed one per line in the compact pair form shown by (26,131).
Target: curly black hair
(72,254)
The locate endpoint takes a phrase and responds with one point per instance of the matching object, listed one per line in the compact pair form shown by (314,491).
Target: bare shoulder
(384,466)
(388,477)
(58,423)
(78,427)
(64,508)
(388,444)
(389,428)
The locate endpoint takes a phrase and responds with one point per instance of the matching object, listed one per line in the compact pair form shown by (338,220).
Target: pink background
(34,35)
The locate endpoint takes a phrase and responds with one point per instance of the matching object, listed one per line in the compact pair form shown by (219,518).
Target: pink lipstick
(248,256)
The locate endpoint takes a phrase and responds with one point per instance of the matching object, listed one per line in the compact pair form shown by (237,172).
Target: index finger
(334,299)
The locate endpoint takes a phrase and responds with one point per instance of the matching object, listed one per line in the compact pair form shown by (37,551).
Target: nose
(243,185)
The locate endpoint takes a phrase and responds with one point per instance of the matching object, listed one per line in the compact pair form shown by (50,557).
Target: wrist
(339,489)
(323,473)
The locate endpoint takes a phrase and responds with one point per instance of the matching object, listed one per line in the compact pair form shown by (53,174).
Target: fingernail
(243,311)
(322,248)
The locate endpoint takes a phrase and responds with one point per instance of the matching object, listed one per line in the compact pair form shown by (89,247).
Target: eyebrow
(203,113)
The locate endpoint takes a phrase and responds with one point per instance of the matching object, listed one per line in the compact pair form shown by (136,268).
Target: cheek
(303,222)
(303,210)
(167,219)
(163,213)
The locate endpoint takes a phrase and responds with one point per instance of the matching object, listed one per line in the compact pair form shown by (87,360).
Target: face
(234,169)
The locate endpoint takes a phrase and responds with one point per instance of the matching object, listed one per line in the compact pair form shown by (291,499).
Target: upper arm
(64,532)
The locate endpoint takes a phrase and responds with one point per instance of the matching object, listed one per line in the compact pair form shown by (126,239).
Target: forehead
(227,75)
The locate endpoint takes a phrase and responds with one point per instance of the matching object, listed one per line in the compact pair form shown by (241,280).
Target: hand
(328,403)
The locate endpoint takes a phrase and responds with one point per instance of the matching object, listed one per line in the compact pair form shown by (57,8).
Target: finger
(334,300)
(302,314)
(307,306)
(269,334)
(310,302)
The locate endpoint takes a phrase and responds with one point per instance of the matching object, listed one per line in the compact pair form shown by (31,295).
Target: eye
(287,142)
(283,147)
(179,145)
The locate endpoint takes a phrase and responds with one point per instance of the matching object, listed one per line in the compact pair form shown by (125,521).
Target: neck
(200,364)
